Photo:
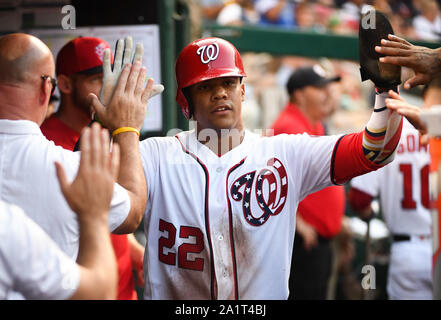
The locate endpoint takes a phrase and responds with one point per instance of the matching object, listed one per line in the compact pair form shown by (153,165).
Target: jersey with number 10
(403,186)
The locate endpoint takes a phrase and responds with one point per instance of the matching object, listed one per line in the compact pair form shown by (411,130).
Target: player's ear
(65,84)
(242,89)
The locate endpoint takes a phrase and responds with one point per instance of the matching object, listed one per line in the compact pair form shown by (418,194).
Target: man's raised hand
(123,55)
(425,62)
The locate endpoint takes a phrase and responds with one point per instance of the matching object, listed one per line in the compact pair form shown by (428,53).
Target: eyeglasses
(53,82)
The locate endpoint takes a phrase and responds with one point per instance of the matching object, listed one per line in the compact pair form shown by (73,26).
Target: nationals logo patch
(99,50)
(208,53)
(270,187)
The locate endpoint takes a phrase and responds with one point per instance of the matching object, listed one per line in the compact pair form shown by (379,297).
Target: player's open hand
(128,104)
(90,193)
(425,62)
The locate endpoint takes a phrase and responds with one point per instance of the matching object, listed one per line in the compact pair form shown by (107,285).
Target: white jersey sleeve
(310,158)
(119,207)
(30,262)
(149,150)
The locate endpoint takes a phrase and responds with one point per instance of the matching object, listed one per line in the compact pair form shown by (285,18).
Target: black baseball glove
(373,27)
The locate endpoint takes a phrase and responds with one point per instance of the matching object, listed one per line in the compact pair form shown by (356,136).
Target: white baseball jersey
(28,179)
(30,262)
(223,227)
(403,186)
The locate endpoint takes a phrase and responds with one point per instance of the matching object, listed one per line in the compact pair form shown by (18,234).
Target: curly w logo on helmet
(208,53)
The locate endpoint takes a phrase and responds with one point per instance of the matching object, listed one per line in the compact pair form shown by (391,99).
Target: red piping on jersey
(206,214)
(230,218)
(333,160)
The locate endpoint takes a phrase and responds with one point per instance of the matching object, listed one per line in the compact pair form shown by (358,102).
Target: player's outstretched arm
(425,62)
(357,154)
(369,150)
(89,195)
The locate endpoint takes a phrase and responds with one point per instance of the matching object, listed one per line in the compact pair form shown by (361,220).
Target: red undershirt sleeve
(348,159)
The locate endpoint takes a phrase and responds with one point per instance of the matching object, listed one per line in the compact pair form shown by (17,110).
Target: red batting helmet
(205,59)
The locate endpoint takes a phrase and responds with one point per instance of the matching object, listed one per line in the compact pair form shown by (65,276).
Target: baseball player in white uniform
(403,188)
(220,217)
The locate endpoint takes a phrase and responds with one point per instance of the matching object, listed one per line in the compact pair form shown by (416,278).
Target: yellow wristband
(125,129)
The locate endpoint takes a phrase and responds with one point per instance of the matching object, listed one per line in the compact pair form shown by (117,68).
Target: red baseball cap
(82,55)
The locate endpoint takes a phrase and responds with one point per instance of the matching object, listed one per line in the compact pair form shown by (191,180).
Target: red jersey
(60,133)
(323,209)
(64,136)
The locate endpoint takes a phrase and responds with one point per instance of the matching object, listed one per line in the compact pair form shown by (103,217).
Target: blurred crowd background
(417,19)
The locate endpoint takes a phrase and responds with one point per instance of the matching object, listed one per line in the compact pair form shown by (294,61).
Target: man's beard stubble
(81,103)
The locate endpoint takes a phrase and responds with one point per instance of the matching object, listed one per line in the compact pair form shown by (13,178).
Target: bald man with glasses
(27,172)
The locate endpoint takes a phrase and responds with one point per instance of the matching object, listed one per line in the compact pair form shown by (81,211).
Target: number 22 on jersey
(184,249)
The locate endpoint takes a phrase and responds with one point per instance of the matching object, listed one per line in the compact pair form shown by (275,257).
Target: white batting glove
(123,56)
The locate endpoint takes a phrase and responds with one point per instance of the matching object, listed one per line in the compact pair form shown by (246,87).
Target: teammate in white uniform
(220,216)
(403,188)
(32,264)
